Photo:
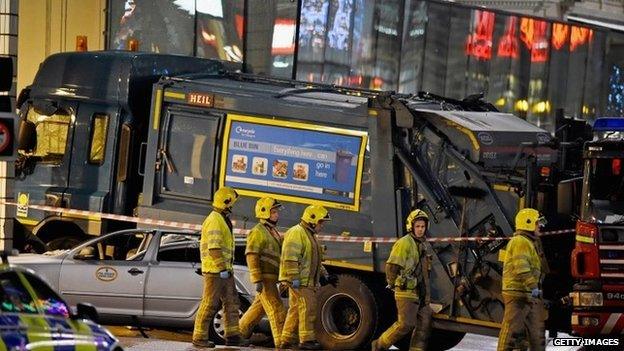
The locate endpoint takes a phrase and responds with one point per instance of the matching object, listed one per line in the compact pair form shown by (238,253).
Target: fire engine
(598,257)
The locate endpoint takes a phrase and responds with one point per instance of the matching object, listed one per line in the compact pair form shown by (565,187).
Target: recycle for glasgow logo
(106,274)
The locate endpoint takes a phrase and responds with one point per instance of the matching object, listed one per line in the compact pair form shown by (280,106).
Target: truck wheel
(217,329)
(347,316)
(439,340)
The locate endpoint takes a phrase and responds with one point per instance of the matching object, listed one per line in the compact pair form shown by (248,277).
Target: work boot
(204,344)
(287,346)
(259,339)
(310,345)
(236,341)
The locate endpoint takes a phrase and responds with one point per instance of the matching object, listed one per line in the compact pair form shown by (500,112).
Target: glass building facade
(524,65)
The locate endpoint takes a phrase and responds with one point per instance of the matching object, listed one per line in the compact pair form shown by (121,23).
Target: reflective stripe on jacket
(268,246)
(405,254)
(522,267)
(216,234)
(301,257)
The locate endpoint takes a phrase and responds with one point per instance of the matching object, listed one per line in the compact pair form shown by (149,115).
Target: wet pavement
(174,340)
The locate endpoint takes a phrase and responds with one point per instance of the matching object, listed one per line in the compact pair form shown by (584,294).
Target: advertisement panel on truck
(293,161)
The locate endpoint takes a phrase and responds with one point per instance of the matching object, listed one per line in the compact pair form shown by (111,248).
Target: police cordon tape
(244,232)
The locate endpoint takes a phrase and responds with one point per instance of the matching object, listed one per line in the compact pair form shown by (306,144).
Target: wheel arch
(55,227)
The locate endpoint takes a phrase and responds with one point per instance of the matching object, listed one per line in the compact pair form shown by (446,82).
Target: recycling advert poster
(293,161)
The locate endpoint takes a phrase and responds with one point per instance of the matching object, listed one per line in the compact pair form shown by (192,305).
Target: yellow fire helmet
(528,219)
(224,198)
(264,207)
(413,216)
(313,214)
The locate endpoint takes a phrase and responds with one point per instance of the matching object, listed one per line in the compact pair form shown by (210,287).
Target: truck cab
(598,258)
(82,122)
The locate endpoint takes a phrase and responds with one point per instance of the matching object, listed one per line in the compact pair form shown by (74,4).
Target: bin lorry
(370,157)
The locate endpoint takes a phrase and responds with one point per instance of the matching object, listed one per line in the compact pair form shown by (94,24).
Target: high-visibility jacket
(522,267)
(265,242)
(216,235)
(405,253)
(301,257)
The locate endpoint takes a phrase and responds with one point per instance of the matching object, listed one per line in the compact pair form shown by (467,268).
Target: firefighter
(524,267)
(264,246)
(302,271)
(407,273)
(217,256)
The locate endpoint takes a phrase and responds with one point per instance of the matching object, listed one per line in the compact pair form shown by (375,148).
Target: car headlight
(586,299)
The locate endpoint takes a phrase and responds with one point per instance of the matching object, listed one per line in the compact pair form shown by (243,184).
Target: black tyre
(65,242)
(439,340)
(217,331)
(347,314)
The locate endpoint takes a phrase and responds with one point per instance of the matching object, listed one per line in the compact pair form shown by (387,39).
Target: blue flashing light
(609,124)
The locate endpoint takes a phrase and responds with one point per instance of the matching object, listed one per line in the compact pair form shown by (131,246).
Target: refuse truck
(155,136)
(370,158)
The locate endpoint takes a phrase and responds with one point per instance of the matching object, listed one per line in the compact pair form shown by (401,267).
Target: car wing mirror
(86,311)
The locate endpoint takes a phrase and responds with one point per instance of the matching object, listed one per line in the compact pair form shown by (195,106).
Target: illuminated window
(99,128)
(560,35)
(52,133)
(479,42)
(534,34)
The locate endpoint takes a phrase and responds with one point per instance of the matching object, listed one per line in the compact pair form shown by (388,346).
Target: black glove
(225,274)
(283,289)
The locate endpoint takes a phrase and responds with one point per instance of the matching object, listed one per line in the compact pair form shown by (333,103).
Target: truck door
(91,171)
(187,154)
(45,169)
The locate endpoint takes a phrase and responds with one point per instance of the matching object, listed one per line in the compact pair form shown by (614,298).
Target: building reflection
(524,65)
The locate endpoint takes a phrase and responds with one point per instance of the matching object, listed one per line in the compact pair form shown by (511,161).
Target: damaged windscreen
(51,137)
(604,191)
